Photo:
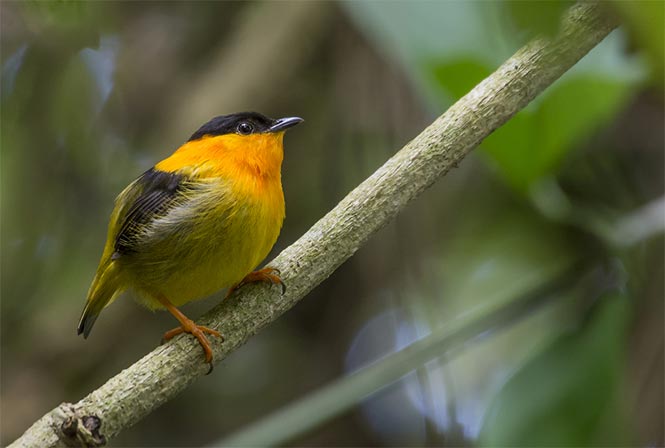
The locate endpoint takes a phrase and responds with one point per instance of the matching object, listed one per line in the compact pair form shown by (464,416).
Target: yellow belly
(208,248)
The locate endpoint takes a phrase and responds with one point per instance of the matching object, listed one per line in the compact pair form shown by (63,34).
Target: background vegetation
(564,203)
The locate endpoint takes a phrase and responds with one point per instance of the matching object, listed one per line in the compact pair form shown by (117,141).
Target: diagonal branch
(167,370)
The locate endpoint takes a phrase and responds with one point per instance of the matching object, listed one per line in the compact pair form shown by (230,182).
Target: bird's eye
(245,128)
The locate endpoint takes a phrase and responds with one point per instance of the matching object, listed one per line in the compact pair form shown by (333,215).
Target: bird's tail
(104,289)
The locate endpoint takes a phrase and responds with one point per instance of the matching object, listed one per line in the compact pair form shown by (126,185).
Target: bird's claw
(267,274)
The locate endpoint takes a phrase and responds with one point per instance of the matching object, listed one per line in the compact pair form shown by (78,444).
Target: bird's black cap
(244,123)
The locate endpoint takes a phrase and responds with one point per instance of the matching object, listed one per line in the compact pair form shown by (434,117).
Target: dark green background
(95,93)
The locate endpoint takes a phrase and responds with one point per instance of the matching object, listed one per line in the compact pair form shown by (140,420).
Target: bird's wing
(149,197)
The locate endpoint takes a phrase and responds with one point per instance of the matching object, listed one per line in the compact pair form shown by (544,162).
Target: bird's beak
(284,123)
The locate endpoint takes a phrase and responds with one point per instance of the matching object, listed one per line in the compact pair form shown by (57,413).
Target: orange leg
(188,326)
(262,275)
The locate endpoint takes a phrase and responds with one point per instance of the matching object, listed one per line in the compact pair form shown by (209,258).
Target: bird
(196,222)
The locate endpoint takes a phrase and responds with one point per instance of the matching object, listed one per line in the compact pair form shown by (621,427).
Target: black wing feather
(159,190)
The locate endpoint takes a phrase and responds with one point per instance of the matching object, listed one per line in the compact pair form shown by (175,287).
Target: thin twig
(639,225)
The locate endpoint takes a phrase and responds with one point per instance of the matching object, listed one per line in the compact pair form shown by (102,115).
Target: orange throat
(247,160)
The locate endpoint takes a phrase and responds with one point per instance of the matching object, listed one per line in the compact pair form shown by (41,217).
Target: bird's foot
(268,274)
(189,326)
(199,332)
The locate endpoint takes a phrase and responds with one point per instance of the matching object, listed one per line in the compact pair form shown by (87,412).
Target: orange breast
(251,164)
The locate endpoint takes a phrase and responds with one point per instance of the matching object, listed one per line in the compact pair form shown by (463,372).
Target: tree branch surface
(160,375)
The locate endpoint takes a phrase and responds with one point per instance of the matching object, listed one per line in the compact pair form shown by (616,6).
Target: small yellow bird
(197,222)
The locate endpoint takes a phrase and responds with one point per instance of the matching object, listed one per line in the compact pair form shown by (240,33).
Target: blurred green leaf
(567,395)
(434,31)
(537,17)
(533,144)
(64,13)
(644,21)
(458,76)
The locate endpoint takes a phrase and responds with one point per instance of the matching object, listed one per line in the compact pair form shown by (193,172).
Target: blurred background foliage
(94,93)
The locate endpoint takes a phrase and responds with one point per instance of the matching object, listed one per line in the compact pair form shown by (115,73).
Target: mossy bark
(167,370)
